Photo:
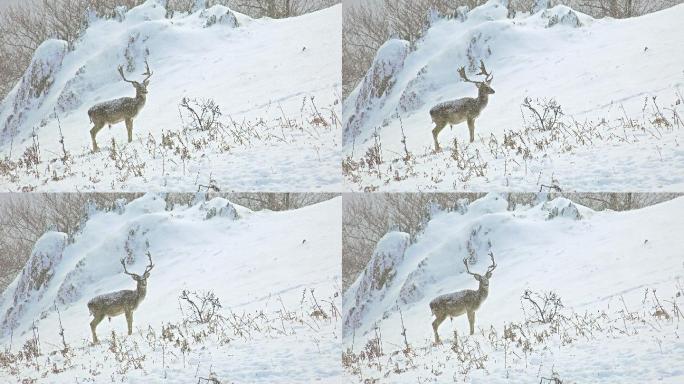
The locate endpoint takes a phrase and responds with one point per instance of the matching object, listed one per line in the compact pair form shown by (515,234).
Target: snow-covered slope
(268,270)
(596,70)
(276,83)
(591,260)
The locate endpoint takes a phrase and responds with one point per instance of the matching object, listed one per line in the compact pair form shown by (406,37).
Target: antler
(147,269)
(150,266)
(483,71)
(123,262)
(147,73)
(461,72)
(122,75)
(493,266)
(465,261)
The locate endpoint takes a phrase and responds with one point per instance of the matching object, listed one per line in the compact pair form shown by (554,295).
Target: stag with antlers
(120,302)
(467,301)
(465,109)
(121,109)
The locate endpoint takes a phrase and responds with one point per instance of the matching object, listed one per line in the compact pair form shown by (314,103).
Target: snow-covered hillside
(276,84)
(618,84)
(276,275)
(619,275)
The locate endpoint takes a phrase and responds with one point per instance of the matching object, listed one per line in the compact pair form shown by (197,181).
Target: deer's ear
(146,82)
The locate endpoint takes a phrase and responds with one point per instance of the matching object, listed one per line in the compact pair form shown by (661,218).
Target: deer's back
(455,303)
(455,111)
(115,111)
(114,303)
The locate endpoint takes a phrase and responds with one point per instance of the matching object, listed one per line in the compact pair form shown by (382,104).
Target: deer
(120,302)
(468,301)
(122,109)
(454,112)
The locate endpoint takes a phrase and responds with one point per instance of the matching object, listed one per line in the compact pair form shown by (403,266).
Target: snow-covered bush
(413,288)
(226,210)
(34,84)
(380,272)
(561,207)
(35,276)
(70,96)
(219,14)
(561,15)
(377,83)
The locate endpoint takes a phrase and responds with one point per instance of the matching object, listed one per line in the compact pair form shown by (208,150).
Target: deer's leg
(438,128)
(93,326)
(471,128)
(129,128)
(471,320)
(435,325)
(93,132)
(129,321)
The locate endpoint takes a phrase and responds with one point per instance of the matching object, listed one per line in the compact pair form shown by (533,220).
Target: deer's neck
(482,98)
(142,291)
(141,98)
(483,291)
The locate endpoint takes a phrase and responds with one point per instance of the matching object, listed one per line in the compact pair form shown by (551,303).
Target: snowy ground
(619,84)
(619,276)
(277,83)
(276,275)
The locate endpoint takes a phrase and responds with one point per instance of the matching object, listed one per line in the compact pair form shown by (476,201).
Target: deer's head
(140,280)
(483,280)
(484,87)
(140,88)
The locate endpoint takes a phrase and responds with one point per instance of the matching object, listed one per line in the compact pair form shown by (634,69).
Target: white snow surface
(595,69)
(252,261)
(263,72)
(592,261)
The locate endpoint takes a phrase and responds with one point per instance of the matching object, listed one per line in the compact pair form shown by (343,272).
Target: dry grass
(545,131)
(170,345)
(545,324)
